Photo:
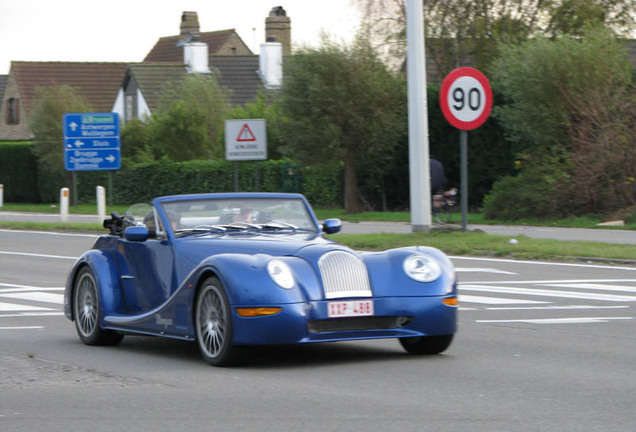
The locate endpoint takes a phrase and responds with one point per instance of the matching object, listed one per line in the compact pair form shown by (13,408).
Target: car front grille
(358,324)
(344,275)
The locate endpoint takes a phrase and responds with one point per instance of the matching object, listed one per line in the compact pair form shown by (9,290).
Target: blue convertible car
(233,270)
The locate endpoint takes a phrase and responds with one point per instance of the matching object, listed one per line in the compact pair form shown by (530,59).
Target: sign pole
(236,177)
(466,100)
(74,190)
(463,144)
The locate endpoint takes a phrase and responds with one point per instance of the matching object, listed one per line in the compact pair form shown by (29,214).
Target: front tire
(426,345)
(214,327)
(88,312)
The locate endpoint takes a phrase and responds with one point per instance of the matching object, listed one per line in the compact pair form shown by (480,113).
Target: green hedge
(321,184)
(18,172)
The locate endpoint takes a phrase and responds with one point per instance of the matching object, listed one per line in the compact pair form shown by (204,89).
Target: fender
(388,278)
(247,281)
(104,268)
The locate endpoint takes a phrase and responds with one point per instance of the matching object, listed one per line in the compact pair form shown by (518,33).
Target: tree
(570,109)
(469,33)
(342,102)
(47,111)
(189,120)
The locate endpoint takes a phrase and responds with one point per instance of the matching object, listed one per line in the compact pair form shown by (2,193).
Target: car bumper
(309,322)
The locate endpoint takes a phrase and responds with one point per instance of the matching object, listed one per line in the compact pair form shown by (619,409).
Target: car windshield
(221,215)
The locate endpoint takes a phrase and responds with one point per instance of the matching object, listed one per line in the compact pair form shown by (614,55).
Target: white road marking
(26,288)
(547,293)
(494,300)
(594,286)
(584,320)
(570,307)
(481,270)
(12,307)
(31,314)
(543,263)
(38,255)
(36,296)
(23,328)
(62,234)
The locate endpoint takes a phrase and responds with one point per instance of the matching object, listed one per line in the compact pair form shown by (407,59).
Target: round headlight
(422,268)
(281,274)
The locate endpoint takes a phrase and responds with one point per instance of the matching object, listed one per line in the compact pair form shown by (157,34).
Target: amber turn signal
(450,301)
(259,311)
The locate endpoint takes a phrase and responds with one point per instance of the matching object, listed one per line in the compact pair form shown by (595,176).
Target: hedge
(18,172)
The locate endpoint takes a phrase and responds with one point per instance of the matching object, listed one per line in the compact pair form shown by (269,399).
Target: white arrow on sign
(110,158)
(73,126)
(79,143)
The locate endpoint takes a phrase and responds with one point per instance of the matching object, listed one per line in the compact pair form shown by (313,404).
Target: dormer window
(12,111)
(233,51)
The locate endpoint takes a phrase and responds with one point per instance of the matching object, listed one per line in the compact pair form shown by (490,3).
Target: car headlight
(422,268)
(281,274)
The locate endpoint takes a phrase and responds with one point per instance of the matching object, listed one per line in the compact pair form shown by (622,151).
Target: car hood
(305,245)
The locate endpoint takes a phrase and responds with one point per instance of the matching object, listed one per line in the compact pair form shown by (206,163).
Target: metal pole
(110,188)
(236,177)
(463,143)
(418,118)
(256,177)
(74,190)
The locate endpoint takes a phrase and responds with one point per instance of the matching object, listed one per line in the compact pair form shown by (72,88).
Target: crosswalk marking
(547,293)
(43,297)
(495,300)
(594,286)
(583,320)
(13,307)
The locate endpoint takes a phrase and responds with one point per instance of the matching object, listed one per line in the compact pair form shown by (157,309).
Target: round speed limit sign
(466,98)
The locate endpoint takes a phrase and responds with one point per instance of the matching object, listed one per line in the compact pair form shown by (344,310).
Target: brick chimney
(189,24)
(278,28)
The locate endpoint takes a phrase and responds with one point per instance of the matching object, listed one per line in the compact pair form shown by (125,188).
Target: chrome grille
(344,275)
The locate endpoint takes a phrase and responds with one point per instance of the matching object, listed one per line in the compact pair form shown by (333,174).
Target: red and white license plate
(349,308)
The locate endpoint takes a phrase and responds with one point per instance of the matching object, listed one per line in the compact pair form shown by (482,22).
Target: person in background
(438,177)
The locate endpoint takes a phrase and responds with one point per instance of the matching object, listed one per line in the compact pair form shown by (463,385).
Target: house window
(13,111)
(129,109)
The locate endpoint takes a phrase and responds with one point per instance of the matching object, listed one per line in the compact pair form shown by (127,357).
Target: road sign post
(466,101)
(245,140)
(91,142)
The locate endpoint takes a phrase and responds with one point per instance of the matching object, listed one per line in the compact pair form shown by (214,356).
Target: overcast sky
(126,30)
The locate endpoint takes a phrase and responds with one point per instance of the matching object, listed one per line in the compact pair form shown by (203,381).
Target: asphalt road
(541,346)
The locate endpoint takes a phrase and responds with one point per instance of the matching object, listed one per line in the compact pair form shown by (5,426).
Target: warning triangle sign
(245,134)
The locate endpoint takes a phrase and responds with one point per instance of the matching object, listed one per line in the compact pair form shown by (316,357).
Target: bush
(18,172)
(321,184)
(534,193)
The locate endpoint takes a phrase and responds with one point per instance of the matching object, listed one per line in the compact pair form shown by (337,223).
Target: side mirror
(331,226)
(136,234)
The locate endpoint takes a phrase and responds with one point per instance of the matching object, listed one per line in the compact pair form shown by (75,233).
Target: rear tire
(426,345)
(87,311)
(214,327)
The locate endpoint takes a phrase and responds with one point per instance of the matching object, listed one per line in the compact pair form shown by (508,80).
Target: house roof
(151,78)
(240,74)
(99,83)
(167,51)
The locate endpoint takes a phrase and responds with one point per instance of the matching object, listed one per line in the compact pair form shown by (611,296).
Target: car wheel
(213,324)
(87,312)
(426,344)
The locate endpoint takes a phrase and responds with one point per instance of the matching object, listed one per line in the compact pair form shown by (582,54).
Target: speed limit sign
(466,98)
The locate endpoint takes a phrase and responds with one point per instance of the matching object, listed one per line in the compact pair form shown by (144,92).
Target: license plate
(350,308)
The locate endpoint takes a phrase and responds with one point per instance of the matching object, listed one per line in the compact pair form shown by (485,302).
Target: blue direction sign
(91,142)
(92,160)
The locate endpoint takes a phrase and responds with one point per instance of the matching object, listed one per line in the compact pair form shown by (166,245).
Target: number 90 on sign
(466,98)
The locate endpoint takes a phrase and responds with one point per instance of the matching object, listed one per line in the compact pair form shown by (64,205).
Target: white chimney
(195,57)
(271,64)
